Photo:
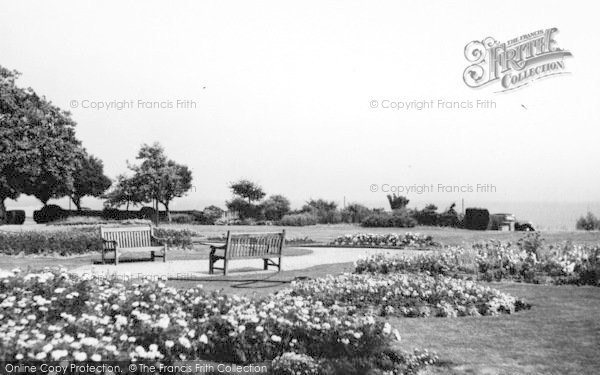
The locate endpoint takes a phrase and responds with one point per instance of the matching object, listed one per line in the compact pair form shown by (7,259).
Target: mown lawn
(447,236)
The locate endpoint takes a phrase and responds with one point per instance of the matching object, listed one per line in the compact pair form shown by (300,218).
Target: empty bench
(132,239)
(266,246)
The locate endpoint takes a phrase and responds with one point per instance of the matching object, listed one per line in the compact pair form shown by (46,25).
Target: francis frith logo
(514,63)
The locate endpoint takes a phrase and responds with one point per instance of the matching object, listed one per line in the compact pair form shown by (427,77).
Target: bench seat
(266,246)
(119,240)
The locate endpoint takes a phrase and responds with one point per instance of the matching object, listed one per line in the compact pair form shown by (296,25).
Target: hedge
(73,241)
(476,218)
(15,217)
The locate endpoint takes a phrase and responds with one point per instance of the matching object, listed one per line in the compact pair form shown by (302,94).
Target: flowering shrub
(408,295)
(395,240)
(493,260)
(73,241)
(295,364)
(60,316)
(448,262)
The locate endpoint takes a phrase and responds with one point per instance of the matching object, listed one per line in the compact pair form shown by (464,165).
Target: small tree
(89,180)
(125,192)
(247,190)
(275,207)
(397,201)
(355,213)
(160,179)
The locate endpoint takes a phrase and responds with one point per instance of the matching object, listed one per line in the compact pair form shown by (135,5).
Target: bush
(298,220)
(115,214)
(58,242)
(589,222)
(182,218)
(406,295)
(399,218)
(294,364)
(476,218)
(394,240)
(148,213)
(15,217)
(74,241)
(87,317)
(49,213)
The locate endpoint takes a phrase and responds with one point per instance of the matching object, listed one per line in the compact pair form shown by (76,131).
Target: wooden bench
(132,239)
(248,246)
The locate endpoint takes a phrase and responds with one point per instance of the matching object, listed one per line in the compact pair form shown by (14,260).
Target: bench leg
(279,265)
(211,262)
(164,253)
(225,267)
(266,264)
(116,257)
(103,257)
(152,256)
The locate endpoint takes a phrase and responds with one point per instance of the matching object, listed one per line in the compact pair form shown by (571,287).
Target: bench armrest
(113,243)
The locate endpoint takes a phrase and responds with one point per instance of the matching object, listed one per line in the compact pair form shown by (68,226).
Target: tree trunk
(2,211)
(167,211)
(77,202)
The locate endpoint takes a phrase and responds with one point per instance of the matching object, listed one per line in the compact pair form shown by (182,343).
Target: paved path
(199,268)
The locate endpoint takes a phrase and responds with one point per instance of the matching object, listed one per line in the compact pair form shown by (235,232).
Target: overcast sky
(283,93)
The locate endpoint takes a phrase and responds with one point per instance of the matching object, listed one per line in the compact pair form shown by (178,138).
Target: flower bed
(495,261)
(53,315)
(409,295)
(73,241)
(390,240)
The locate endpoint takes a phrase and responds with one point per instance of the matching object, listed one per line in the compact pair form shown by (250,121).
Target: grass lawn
(559,335)
(447,236)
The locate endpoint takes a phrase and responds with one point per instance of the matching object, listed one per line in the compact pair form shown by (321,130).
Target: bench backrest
(128,237)
(254,245)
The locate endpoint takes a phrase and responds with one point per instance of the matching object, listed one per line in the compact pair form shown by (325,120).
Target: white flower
(169,343)
(387,328)
(47,348)
(80,356)
(153,347)
(96,357)
(275,338)
(203,339)
(345,341)
(40,355)
(259,329)
(19,356)
(163,322)
(185,342)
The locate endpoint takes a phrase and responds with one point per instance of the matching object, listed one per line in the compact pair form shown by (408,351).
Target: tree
(125,192)
(247,190)
(397,201)
(89,180)
(275,207)
(355,213)
(159,178)
(37,142)
(325,211)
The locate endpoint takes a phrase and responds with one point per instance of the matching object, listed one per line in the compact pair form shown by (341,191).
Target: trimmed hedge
(49,213)
(74,241)
(476,218)
(399,218)
(15,217)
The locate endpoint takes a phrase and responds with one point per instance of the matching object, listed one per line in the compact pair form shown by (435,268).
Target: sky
(280,92)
